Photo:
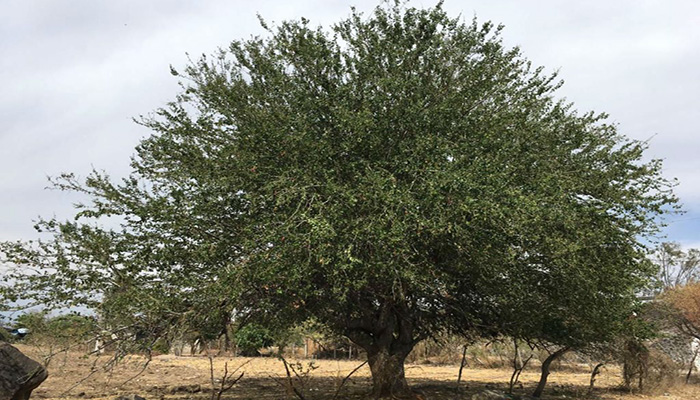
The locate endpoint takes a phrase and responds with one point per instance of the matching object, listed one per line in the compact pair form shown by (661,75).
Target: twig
(337,392)
(93,369)
(290,381)
(516,374)
(145,365)
(594,374)
(211,373)
(278,381)
(518,363)
(226,385)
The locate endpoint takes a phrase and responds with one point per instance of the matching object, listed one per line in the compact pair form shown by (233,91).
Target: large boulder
(19,374)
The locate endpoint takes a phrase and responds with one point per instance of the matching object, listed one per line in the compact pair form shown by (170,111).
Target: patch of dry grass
(169,377)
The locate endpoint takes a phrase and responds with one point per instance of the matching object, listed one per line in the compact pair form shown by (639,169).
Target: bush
(251,338)
(662,372)
(58,332)
(5,336)
(161,346)
(648,370)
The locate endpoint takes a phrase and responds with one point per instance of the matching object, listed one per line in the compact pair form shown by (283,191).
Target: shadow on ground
(322,388)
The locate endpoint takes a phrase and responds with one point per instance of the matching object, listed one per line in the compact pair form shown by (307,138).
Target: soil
(74,376)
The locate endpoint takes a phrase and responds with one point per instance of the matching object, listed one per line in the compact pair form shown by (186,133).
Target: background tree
(682,306)
(587,315)
(676,266)
(402,174)
(679,307)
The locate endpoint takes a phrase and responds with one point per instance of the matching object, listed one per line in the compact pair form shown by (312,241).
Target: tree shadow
(322,388)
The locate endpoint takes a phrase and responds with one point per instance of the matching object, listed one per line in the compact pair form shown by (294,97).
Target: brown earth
(73,376)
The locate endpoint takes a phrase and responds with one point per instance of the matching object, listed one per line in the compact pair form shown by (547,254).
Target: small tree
(536,309)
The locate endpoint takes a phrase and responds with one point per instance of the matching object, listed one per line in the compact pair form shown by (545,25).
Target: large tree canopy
(396,175)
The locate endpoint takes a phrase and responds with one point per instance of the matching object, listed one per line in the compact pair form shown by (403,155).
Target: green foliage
(62,330)
(161,346)
(401,174)
(52,335)
(34,321)
(251,338)
(5,336)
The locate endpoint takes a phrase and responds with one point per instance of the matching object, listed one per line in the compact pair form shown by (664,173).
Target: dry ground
(169,377)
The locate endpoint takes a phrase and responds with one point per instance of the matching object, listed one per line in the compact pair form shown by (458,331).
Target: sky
(74,73)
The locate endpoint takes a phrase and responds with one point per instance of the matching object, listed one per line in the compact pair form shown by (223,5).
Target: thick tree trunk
(545,371)
(388,376)
(387,334)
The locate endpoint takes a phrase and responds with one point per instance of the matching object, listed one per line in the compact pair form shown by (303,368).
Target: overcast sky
(74,73)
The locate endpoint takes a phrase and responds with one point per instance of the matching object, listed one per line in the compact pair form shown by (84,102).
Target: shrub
(250,338)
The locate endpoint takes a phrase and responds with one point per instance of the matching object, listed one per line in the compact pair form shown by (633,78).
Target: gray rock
(19,374)
(490,395)
(129,397)
(493,395)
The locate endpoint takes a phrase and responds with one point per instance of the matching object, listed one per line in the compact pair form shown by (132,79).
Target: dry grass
(170,377)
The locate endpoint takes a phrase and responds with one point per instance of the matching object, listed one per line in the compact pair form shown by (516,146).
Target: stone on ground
(19,374)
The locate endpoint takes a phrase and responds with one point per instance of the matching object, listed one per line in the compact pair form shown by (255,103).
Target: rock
(19,374)
(186,389)
(129,397)
(490,395)
(493,395)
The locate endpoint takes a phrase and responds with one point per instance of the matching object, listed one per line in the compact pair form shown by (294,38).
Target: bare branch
(337,392)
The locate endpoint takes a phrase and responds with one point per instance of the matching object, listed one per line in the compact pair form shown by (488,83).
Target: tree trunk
(387,335)
(692,365)
(545,371)
(388,376)
(462,364)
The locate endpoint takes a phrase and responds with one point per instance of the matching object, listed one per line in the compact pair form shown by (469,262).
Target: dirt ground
(73,376)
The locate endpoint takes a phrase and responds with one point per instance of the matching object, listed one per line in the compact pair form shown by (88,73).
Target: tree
(402,174)
(681,305)
(676,267)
